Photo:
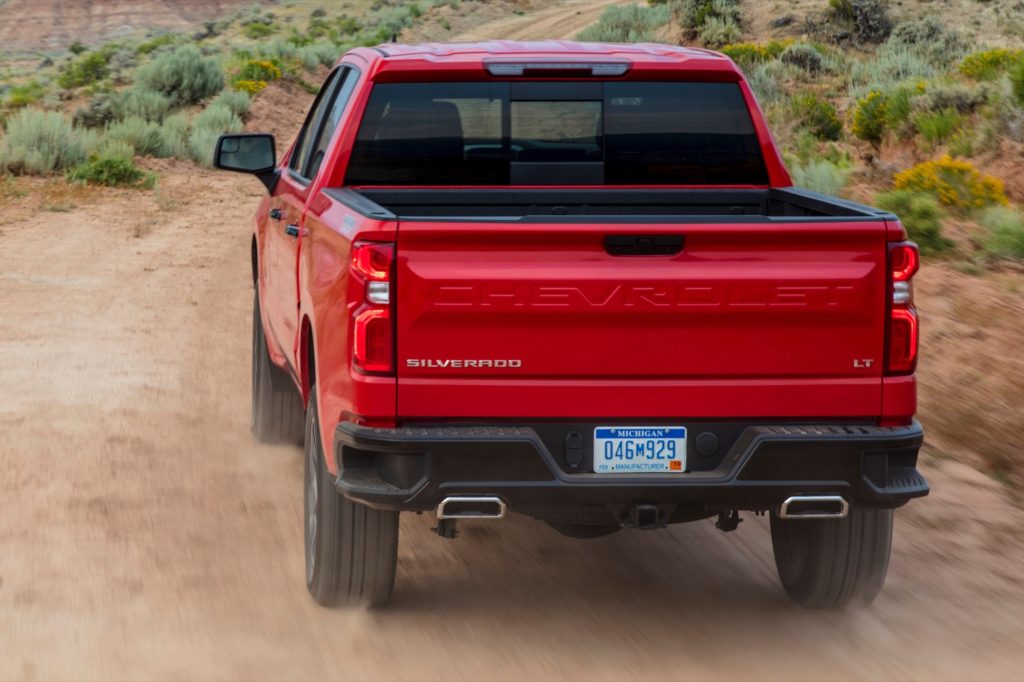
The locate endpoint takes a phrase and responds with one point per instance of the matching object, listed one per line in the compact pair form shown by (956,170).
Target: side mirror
(252,153)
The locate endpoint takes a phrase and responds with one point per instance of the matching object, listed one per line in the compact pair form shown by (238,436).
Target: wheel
(582,531)
(827,563)
(351,549)
(277,414)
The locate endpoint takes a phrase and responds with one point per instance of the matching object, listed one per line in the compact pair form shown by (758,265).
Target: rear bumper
(542,471)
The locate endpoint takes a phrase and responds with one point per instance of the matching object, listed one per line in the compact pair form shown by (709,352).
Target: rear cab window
(544,133)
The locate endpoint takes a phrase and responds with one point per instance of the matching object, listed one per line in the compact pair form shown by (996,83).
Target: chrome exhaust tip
(472,507)
(814,507)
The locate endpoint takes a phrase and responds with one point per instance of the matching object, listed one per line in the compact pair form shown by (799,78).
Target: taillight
(373,347)
(901,355)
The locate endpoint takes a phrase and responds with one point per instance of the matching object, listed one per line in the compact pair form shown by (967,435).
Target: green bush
(1003,232)
(144,137)
(870,19)
(929,38)
(869,118)
(889,68)
(318,54)
(938,126)
(765,82)
(746,54)
(201,144)
(1017,82)
(40,142)
(214,121)
(257,30)
(185,76)
(820,176)
(921,216)
(989,64)
(87,68)
(899,107)
(804,57)
(112,166)
(23,95)
(818,116)
(237,102)
(175,129)
(155,43)
(954,96)
(718,31)
(96,114)
(626,24)
(138,101)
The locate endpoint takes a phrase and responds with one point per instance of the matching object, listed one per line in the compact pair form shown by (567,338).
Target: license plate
(639,449)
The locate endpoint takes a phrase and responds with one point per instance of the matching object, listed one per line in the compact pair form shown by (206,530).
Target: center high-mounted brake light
(373,334)
(518,69)
(901,354)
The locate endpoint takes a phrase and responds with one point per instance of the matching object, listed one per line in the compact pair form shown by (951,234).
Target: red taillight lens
(901,355)
(372,347)
(903,262)
(373,260)
(370,295)
(902,340)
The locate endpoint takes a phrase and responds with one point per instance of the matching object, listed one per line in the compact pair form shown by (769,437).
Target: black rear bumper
(546,470)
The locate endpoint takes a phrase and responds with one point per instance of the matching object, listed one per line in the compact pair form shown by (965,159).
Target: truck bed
(609,205)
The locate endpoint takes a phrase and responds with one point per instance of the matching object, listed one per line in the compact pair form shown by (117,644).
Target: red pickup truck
(574,281)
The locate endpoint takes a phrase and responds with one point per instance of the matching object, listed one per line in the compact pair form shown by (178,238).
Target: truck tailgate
(769,318)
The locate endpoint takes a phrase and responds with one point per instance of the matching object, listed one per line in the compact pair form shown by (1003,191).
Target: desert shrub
(1003,232)
(899,106)
(869,19)
(237,101)
(40,142)
(820,176)
(318,54)
(869,117)
(936,127)
(954,96)
(218,117)
(817,115)
(719,31)
(954,182)
(929,38)
(765,83)
(921,216)
(989,64)
(201,143)
(96,114)
(1017,82)
(87,68)
(112,166)
(249,87)
(626,24)
(138,101)
(156,43)
(144,137)
(804,57)
(256,30)
(889,68)
(754,53)
(258,70)
(23,95)
(184,75)
(207,127)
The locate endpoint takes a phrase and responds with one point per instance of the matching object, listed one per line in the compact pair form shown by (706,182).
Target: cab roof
(455,61)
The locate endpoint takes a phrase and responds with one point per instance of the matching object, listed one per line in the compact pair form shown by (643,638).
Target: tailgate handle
(643,244)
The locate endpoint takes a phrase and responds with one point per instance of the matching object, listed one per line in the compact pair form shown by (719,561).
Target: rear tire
(277,415)
(828,563)
(351,549)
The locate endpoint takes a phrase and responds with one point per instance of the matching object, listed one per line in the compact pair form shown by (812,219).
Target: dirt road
(144,535)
